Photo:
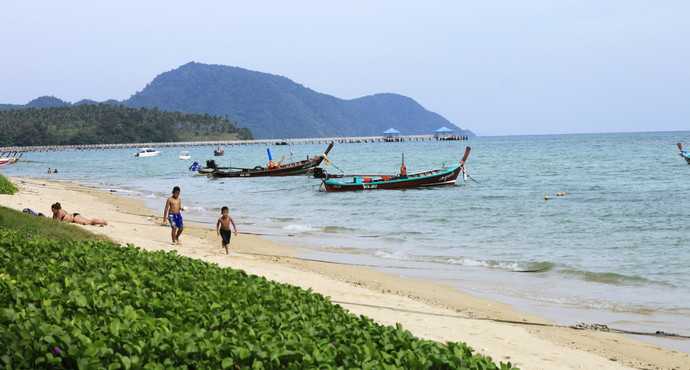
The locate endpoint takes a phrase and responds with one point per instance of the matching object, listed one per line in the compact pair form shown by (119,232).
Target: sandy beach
(427,309)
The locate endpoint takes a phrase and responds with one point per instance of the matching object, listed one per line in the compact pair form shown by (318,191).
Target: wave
(514,266)
(611,278)
(283,219)
(337,229)
(536,266)
(196,208)
(299,228)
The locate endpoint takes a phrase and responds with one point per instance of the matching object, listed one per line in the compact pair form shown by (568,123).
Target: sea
(614,250)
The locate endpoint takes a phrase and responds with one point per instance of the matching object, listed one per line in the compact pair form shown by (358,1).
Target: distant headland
(271,106)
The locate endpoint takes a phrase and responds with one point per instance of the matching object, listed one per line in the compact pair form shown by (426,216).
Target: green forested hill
(273,106)
(109,124)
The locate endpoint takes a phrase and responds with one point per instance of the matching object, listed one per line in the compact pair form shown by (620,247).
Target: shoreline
(447,312)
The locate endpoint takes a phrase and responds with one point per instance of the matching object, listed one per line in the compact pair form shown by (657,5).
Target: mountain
(108,124)
(273,106)
(46,102)
(86,102)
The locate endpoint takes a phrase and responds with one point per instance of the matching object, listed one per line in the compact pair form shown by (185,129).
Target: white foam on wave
(501,265)
(298,228)
(395,255)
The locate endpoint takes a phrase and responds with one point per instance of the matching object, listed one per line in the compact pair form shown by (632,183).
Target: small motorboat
(147,152)
(184,155)
(219,152)
(684,153)
(7,159)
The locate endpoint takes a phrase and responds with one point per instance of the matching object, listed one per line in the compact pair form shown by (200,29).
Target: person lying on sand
(61,215)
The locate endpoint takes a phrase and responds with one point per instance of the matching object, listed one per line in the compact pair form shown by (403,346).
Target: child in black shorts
(223,227)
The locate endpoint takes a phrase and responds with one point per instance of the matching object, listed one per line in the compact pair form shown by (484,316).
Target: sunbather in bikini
(60,215)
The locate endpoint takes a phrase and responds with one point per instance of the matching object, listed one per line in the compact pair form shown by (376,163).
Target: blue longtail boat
(439,177)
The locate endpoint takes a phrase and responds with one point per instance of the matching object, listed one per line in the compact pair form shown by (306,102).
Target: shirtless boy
(223,227)
(173,214)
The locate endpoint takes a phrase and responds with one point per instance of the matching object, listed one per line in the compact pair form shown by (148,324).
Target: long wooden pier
(321,140)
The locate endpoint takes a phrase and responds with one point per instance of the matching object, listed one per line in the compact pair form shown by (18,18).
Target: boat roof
(391,131)
(444,129)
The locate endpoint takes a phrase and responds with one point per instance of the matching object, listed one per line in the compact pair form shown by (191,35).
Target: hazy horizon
(535,67)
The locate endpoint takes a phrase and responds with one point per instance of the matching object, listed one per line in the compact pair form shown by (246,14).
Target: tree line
(110,124)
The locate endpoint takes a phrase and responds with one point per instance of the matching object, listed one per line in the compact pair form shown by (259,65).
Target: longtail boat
(439,177)
(274,168)
(684,153)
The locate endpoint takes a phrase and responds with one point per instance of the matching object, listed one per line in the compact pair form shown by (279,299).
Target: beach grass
(84,303)
(6,186)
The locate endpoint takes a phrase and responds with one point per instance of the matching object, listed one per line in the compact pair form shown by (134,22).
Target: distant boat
(147,152)
(7,159)
(684,153)
(184,155)
(440,177)
(219,152)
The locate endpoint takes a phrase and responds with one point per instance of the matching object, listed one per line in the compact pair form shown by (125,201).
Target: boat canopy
(392,131)
(444,130)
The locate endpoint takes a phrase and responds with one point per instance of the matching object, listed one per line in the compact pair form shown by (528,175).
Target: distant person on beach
(61,215)
(173,214)
(223,227)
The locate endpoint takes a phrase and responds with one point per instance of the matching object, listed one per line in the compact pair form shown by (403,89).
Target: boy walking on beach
(173,214)
(223,227)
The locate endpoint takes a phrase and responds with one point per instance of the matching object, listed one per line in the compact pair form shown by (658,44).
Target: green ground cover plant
(90,304)
(6,187)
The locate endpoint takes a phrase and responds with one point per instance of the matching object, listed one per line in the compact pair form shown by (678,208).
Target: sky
(495,67)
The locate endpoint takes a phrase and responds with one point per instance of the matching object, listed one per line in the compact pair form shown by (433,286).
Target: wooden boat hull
(433,178)
(289,169)
(442,177)
(292,169)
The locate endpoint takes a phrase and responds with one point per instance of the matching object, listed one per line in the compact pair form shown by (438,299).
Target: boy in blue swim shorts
(173,215)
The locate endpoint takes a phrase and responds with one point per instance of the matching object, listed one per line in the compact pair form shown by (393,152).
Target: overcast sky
(496,67)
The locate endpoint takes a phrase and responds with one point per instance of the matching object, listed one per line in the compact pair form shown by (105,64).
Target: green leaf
(126,363)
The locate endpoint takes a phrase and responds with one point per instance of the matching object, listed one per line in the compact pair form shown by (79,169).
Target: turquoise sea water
(615,249)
